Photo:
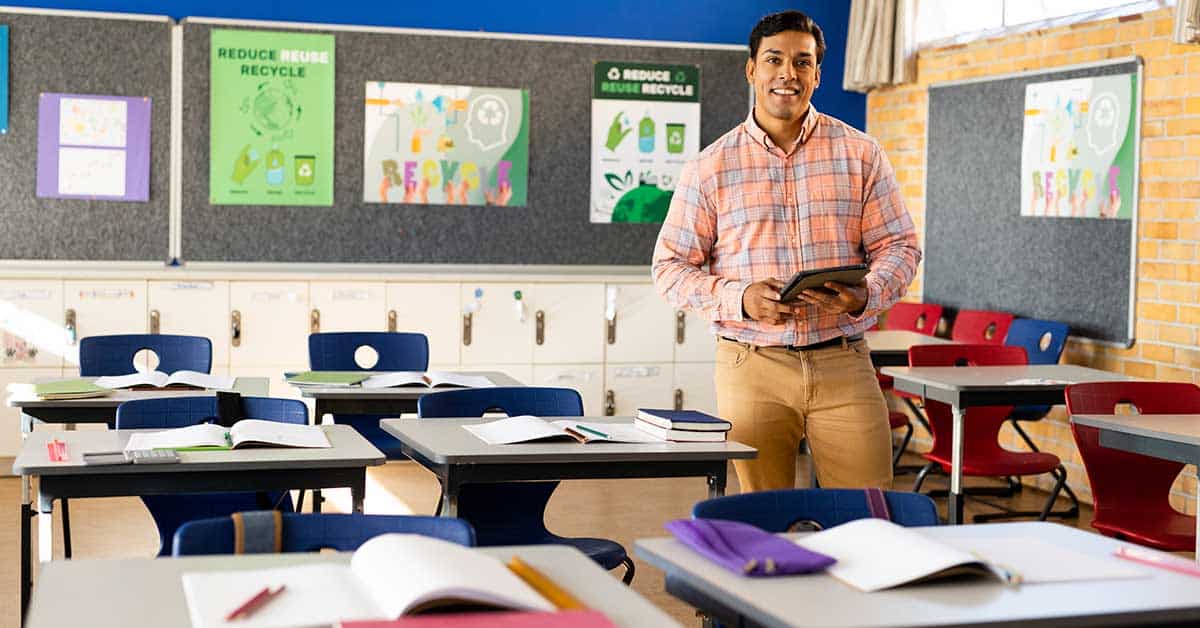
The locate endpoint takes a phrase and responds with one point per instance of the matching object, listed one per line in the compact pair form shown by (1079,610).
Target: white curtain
(881,44)
(1187,22)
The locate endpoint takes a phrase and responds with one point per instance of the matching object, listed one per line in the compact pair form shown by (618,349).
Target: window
(945,22)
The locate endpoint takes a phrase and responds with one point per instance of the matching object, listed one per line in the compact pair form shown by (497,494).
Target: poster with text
(93,147)
(1077,150)
(3,78)
(645,126)
(271,118)
(445,144)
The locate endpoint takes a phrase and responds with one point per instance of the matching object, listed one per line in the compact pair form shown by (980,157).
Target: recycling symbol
(613,74)
(490,113)
(676,137)
(305,170)
(680,77)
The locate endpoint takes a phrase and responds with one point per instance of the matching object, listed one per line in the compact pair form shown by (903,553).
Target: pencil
(550,590)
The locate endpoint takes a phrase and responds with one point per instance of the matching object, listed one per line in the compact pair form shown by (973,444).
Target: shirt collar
(760,136)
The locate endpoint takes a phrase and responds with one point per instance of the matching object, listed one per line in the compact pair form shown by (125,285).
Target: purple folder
(746,549)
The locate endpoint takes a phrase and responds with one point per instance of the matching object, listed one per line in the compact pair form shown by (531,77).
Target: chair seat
(897,420)
(1029,413)
(607,554)
(1168,531)
(886,382)
(1002,463)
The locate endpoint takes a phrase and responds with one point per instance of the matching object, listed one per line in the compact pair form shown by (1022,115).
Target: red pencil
(254,603)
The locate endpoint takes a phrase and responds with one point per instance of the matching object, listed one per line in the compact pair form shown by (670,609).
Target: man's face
(784,75)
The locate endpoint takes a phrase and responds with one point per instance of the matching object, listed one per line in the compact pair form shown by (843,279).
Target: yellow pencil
(544,585)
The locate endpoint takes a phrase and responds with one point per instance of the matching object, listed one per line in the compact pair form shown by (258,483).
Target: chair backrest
(1043,340)
(919,317)
(966,355)
(777,511)
(397,351)
(113,355)
(512,401)
(983,327)
(168,412)
(315,532)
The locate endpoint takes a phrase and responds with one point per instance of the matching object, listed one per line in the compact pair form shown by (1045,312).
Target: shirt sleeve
(682,254)
(888,235)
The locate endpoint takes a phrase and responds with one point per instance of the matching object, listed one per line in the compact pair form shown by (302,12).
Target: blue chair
(778,511)
(513,513)
(334,351)
(113,355)
(315,532)
(171,511)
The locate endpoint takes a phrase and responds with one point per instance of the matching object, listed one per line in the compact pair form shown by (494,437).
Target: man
(791,189)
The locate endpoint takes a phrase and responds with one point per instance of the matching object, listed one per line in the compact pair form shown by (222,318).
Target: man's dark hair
(776,23)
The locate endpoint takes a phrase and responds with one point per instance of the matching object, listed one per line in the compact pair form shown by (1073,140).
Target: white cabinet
(359,306)
(644,325)
(694,388)
(633,386)
(572,323)
(501,324)
(432,309)
(271,325)
(10,418)
(103,308)
(31,324)
(699,344)
(193,308)
(523,373)
(587,379)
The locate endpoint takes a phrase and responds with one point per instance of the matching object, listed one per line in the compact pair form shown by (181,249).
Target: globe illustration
(274,110)
(645,203)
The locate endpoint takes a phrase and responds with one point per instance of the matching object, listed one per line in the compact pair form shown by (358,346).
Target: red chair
(921,318)
(982,453)
(1130,491)
(980,327)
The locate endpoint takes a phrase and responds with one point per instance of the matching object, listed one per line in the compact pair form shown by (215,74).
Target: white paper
(396,379)
(203,435)
(278,434)
(92,122)
(314,594)
(1037,561)
(613,432)
(91,171)
(518,429)
(161,379)
(440,378)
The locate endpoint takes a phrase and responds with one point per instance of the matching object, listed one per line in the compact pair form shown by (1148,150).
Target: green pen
(588,429)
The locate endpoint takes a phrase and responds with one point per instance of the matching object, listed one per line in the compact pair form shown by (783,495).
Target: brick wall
(1168,270)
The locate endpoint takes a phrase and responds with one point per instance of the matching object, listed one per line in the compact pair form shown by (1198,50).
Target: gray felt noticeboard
(553,228)
(83,55)
(980,253)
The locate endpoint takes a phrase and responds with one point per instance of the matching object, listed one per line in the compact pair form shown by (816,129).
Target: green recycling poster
(271,118)
(645,126)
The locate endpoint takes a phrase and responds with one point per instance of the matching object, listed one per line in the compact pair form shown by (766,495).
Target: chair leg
(1024,436)
(908,432)
(300,500)
(921,475)
(920,416)
(66,523)
(1060,483)
(629,569)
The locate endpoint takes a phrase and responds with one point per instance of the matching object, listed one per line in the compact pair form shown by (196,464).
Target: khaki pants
(830,396)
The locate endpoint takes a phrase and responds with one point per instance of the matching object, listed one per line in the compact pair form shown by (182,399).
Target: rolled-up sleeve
(683,251)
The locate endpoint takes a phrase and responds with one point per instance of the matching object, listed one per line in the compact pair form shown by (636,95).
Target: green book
(69,389)
(328,378)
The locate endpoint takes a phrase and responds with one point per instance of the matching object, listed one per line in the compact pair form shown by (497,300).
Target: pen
(588,429)
(1158,559)
(250,606)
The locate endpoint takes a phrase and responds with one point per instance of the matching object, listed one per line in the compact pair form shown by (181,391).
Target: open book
(874,554)
(244,433)
(389,576)
(159,379)
(525,428)
(396,379)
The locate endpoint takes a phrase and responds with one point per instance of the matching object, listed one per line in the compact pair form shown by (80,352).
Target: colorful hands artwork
(617,131)
(417,192)
(456,194)
(1110,207)
(500,196)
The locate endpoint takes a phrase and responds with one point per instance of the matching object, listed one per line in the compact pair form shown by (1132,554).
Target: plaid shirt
(750,210)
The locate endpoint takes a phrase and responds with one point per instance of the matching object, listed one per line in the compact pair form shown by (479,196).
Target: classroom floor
(622,510)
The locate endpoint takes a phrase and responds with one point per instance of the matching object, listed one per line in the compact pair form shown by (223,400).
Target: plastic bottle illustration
(646,134)
(275,166)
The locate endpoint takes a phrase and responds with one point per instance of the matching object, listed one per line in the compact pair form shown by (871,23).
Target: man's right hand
(760,301)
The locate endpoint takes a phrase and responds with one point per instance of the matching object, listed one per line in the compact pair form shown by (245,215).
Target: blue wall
(711,21)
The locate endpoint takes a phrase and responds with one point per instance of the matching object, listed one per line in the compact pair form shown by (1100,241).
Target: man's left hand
(838,298)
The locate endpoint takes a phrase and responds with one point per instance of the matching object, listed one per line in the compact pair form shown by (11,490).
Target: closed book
(679,436)
(683,420)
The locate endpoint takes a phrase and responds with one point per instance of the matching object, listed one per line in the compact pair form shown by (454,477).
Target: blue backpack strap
(877,504)
(257,532)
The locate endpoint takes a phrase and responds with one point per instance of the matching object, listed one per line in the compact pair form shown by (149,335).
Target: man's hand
(838,298)
(761,302)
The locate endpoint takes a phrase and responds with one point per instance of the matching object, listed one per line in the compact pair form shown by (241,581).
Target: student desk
(1161,597)
(1169,436)
(257,469)
(967,386)
(457,457)
(356,400)
(890,347)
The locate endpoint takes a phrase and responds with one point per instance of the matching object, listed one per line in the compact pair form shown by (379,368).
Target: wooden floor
(622,510)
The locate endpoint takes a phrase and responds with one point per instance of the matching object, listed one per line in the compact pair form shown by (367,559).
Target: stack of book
(682,425)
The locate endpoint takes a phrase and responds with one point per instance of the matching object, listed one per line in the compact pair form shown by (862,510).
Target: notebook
(65,389)
(159,379)
(323,379)
(243,434)
(526,429)
(508,619)
(683,420)
(396,379)
(388,576)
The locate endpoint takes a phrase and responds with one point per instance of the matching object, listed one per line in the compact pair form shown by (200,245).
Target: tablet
(850,275)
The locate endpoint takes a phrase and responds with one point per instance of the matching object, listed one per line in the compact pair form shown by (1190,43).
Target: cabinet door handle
(235,328)
(540,327)
(314,321)
(69,324)
(466,329)
(612,330)
(391,320)
(680,325)
(678,398)
(610,403)
(154,321)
